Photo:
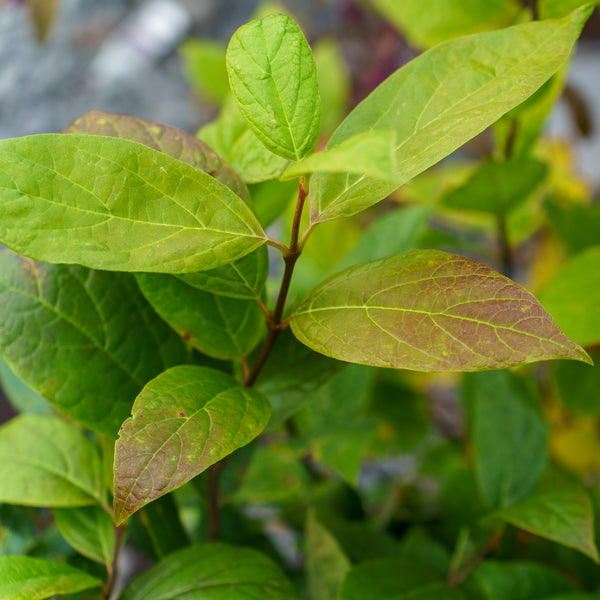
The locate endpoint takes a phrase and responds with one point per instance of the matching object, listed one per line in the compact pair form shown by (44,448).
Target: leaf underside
(429,311)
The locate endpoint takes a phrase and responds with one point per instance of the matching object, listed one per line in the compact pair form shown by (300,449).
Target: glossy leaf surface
(327,564)
(509,435)
(183,421)
(27,578)
(172,141)
(244,278)
(273,78)
(117,205)
(442,99)
(218,326)
(561,512)
(573,297)
(213,571)
(370,153)
(45,461)
(395,579)
(86,340)
(428,311)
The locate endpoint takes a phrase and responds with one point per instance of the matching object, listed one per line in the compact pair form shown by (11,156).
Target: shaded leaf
(573,297)
(162,521)
(369,153)
(509,434)
(203,63)
(89,530)
(272,198)
(327,564)
(172,141)
(552,9)
(395,579)
(433,110)
(498,186)
(431,22)
(231,137)
(577,225)
(27,578)
(429,311)
(244,278)
(21,397)
(118,205)
(86,340)
(578,385)
(45,461)
(273,78)
(218,326)
(183,421)
(212,572)
(560,511)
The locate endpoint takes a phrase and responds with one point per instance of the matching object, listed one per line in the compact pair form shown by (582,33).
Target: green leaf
(578,384)
(395,579)
(442,99)
(273,78)
(45,461)
(21,396)
(573,297)
(509,434)
(118,205)
(577,225)
(213,571)
(89,530)
(85,340)
(172,141)
(496,187)
(560,511)
(162,521)
(26,578)
(231,137)
(244,278)
(218,326)
(431,22)
(428,311)
(272,198)
(552,9)
(495,580)
(203,64)
(369,153)
(183,421)
(326,563)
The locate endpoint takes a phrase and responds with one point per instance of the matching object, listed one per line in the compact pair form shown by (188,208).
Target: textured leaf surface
(561,512)
(183,421)
(89,530)
(370,153)
(117,205)
(428,311)
(244,278)
(231,137)
(327,564)
(172,141)
(509,434)
(86,340)
(395,579)
(434,21)
(442,99)
(27,578)
(573,297)
(45,461)
(220,327)
(273,78)
(212,572)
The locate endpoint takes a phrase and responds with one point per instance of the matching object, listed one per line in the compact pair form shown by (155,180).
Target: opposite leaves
(429,311)
(118,205)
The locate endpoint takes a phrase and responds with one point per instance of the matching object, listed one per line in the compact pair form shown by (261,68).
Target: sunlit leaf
(164,138)
(428,311)
(442,99)
(27,578)
(85,340)
(573,297)
(273,77)
(45,461)
(89,530)
(212,572)
(118,205)
(183,421)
